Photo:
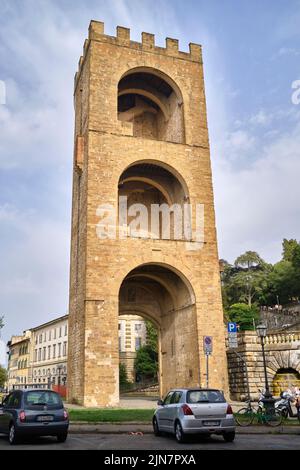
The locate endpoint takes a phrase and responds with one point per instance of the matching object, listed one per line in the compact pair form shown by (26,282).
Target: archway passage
(158,293)
(163,197)
(153,104)
(285,379)
(138,357)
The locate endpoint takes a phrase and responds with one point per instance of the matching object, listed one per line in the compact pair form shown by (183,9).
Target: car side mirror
(160,403)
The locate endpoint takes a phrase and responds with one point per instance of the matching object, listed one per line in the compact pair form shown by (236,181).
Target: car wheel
(229,436)
(156,427)
(62,437)
(179,434)
(12,435)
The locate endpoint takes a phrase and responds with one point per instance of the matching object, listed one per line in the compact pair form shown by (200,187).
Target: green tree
(123,375)
(152,336)
(1,322)
(252,281)
(249,260)
(288,247)
(244,315)
(146,362)
(282,284)
(245,281)
(295,257)
(3,376)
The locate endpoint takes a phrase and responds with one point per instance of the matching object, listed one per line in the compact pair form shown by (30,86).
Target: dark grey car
(26,413)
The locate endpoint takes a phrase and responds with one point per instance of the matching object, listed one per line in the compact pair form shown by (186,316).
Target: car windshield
(205,396)
(42,398)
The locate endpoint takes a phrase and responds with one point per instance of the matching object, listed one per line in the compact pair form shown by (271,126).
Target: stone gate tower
(141,134)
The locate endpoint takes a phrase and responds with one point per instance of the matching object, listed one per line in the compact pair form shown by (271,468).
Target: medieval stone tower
(141,133)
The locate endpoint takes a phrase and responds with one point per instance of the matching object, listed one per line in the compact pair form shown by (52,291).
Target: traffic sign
(232,327)
(207,345)
(233,342)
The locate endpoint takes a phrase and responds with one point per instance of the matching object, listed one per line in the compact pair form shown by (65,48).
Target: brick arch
(170,192)
(147,90)
(140,313)
(148,94)
(163,165)
(157,72)
(169,267)
(174,297)
(151,182)
(277,360)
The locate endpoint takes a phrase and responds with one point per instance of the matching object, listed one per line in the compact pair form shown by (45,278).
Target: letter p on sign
(232,327)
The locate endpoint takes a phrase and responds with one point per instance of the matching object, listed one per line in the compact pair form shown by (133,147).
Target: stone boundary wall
(282,352)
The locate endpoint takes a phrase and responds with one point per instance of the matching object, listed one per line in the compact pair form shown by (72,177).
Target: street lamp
(59,368)
(49,379)
(261,331)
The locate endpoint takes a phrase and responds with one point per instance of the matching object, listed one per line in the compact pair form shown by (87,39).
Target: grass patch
(110,415)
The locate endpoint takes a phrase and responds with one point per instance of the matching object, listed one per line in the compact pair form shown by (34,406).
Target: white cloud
(288,51)
(261,118)
(34,269)
(257,205)
(240,141)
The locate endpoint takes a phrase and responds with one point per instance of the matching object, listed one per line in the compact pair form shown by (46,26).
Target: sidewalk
(135,403)
(131,403)
(127,428)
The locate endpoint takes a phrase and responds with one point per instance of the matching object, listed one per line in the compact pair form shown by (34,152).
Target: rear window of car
(205,396)
(36,399)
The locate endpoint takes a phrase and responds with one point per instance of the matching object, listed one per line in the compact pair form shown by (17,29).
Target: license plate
(45,418)
(211,423)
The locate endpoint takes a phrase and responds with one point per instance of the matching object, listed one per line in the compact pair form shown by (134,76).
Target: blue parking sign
(232,327)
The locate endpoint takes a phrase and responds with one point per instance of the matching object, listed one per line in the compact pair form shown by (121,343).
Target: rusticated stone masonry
(141,132)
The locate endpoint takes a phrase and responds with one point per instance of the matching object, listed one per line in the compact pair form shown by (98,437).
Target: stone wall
(282,352)
(279,317)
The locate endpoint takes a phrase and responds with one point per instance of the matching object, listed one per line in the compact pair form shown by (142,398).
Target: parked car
(194,411)
(36,412)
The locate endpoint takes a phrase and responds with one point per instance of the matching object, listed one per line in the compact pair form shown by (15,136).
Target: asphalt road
(150,442)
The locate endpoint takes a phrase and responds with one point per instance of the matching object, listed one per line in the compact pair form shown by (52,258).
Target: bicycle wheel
(273,418)
(244,417)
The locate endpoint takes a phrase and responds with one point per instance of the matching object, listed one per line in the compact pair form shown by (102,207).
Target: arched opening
(285,379)
(138,355)
(154,203)
(153,103)
(157,293)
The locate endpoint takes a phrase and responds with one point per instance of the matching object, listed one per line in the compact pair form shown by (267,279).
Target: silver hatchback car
(194,411)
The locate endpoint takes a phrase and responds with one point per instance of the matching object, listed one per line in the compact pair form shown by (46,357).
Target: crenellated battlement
(96,32)
(122,38)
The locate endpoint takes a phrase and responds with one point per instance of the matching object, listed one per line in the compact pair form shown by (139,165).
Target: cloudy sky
(252,57)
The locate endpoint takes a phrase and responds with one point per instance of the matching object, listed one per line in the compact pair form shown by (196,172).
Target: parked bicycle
(268,416)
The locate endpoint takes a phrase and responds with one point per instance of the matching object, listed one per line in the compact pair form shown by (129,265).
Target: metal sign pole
(207,370)
(208,349)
